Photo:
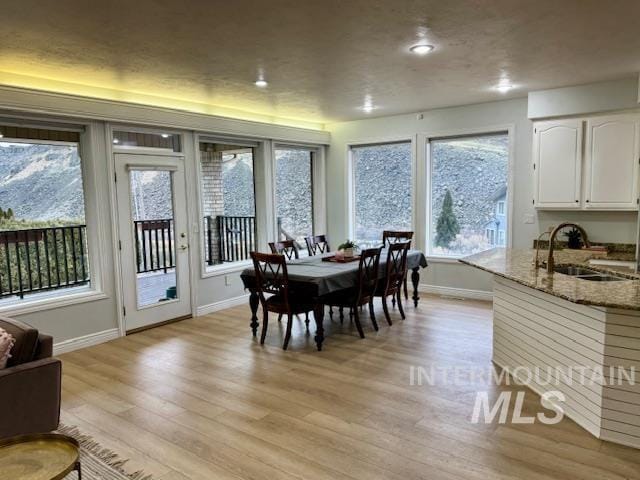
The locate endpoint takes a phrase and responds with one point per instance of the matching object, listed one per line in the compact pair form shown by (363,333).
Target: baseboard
(456,292)
(85,341)
(221,305)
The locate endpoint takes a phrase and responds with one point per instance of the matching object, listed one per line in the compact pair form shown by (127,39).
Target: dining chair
(395,271)
(317,244)
(394,236)
(364,290)
(272,279)
(288,248)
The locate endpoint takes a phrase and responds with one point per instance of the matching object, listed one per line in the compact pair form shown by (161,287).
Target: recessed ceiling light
(116,141)
(504,85)
(1,135)
(421,49)
(261,83)
(165,135)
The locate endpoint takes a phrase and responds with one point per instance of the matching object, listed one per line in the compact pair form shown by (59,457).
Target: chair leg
(400,303)
(393,301)
(265,322)
(287,336)
(406,289)
(279,316)
(356,319)
(372,315)
(330,311)
(385,307)
(306,320)
(341,310)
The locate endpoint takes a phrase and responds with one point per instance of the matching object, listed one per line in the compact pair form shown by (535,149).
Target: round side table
(40,456)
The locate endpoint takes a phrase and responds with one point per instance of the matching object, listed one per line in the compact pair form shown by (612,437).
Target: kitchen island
(583,335)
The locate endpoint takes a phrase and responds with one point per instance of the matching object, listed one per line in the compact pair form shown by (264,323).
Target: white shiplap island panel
(536,330)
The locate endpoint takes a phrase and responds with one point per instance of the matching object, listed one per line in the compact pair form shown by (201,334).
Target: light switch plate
(227,280)
(528,218)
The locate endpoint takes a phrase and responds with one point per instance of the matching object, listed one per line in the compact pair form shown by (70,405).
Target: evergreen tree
(2,214)
(447,227)
(9,214)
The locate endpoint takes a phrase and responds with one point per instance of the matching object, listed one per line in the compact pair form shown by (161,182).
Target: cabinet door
(611,162)
(557,161)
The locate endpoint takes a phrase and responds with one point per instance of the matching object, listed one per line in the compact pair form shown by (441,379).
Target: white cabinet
(557,162)
(611,162)
(601,173)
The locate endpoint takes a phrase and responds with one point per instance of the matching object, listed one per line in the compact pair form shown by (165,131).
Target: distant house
(496,229)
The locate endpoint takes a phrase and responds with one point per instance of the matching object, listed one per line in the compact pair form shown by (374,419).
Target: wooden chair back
(396,265)
(368,273)
(390,237)
(271,275)
(288,248)
(317,244)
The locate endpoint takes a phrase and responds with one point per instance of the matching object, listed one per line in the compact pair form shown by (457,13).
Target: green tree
(2,214)
(447,227)
(9,214)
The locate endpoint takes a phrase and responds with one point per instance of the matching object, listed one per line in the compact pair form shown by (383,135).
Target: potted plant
(574,239)
(348,248)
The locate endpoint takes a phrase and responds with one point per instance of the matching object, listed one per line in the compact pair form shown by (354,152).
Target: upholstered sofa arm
(30,397)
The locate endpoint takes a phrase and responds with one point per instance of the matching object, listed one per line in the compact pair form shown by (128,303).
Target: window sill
(438,259)
(218,270)
(50,301)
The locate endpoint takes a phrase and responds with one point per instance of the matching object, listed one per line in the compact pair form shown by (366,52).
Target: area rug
(98,463)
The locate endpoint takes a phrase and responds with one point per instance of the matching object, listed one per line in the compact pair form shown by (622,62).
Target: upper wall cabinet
(602,174)
(612,156)
(557,162)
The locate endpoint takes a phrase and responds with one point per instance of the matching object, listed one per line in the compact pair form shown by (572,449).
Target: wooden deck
(201,399)
(153,286)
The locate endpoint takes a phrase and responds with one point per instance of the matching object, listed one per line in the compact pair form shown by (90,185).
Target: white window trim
(89,149)
(197,229)
(350,178)
(318,185)
(423,142)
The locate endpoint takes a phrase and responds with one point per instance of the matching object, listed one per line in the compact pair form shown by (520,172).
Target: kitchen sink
(600,278)
(586,274)
(574,271)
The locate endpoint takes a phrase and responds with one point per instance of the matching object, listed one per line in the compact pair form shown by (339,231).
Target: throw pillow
(6,344)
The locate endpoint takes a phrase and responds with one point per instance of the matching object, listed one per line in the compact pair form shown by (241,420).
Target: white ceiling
(321,57)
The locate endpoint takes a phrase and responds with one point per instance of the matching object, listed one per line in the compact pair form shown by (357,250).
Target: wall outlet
(227,280)
(528,218)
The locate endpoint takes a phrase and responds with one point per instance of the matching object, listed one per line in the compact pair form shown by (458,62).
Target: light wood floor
(200,399)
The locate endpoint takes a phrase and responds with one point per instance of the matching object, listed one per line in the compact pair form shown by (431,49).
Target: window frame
(318,204)
(351,177)
(424,140)
(89,145)
(258,152)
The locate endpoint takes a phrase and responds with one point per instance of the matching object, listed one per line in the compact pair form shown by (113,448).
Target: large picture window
(468,196)
(382,190)
(294,194)
(228,202)
(43,235)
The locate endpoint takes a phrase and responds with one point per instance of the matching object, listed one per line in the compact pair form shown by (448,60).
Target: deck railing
(41,259)
(234,237)
(154,245)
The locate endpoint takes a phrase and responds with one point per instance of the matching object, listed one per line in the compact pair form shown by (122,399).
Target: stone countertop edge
(516,265)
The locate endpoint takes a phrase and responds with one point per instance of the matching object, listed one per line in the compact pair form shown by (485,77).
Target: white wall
(601,226)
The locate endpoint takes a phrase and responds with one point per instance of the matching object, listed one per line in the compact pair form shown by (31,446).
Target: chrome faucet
(552,238)
(536,261)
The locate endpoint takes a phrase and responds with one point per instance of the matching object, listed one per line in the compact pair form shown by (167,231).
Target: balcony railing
(41,259)
(154,245)
(232,236)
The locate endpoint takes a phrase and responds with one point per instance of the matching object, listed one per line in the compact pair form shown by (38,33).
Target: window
(228,202)
(468,192)
(43,234)
(163,141)
(294,194)
(382,190)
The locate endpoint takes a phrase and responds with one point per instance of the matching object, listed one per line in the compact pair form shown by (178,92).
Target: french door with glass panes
(153,238)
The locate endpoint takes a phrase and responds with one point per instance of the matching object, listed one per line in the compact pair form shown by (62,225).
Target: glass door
(153,238)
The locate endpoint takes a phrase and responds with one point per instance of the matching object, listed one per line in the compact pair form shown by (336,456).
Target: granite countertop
(517,265)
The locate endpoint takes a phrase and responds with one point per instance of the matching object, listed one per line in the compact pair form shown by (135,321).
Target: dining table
(314,278)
